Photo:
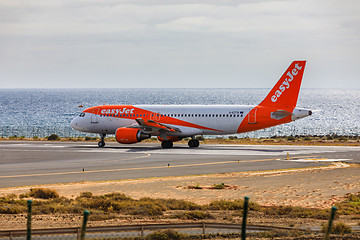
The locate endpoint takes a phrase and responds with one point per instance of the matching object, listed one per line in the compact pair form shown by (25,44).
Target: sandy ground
(313,187)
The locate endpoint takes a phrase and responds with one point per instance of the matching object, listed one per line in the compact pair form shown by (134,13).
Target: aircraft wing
(150,126)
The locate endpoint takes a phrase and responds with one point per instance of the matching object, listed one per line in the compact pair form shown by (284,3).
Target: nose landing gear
(102,142)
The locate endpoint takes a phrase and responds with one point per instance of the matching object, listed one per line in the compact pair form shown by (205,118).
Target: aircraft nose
(74,123)
(310,113)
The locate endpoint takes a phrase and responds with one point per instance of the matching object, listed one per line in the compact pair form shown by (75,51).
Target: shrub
(219,186)
(297,212)
(339,228)
(167,234)
(194,215)
(12,209)
(232,205)
(157,236)
(146,209)
(24,195)
(86,195)
(87,138)
(53,137)
(279,234)
(291,138)
(175,204)
(43,193)
(197,186)
(351,205)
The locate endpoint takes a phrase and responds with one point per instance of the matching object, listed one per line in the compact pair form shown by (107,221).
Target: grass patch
(43,193)
(167,234)
(350,205)
(339,228)
(197,186)
(194,215)
(220,186)
(237,204)
(109,205)
(297,212)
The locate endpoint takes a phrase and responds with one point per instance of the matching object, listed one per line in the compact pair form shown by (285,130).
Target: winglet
(286,91)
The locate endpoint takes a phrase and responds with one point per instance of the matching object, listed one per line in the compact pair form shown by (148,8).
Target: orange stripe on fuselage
(132,112)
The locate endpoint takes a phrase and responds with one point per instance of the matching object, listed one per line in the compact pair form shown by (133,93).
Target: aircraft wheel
(193,143)
(167,144)
(101,144)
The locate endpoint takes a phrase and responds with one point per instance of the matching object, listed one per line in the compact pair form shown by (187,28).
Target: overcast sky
(164,44)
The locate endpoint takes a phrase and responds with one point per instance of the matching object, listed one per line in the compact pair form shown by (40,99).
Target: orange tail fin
(286,91)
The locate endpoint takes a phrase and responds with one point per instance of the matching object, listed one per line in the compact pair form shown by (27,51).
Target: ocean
(41,112)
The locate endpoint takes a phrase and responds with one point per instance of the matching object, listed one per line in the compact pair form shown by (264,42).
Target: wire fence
(142,230)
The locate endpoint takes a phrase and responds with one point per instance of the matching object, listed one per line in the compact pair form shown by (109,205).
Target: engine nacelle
(170,138)
(130,135)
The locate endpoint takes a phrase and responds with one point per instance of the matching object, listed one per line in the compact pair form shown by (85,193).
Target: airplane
(171,123)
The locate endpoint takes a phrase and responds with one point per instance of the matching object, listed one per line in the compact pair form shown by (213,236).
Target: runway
(33,163)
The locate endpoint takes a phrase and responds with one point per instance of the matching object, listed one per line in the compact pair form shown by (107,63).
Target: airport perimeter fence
(142,230)
(67,132)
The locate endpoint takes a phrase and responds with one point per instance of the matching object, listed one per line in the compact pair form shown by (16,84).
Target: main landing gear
(167,144)
(102,142)
(193,143)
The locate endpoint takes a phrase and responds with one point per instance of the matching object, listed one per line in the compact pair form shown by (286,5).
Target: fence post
(83,228)
(243,227)
(142,231)
(328,230)
(28,222)
(203,228)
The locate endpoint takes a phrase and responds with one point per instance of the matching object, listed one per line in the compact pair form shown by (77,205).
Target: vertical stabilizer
(286,90)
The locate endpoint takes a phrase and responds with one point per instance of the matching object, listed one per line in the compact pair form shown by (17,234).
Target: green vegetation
(339,228)
(43,193)
(53,137)
(167,234)
(197,186)
(237,204)
(297,212)
(113,205)
(350,205)
(193,215)
(220,186)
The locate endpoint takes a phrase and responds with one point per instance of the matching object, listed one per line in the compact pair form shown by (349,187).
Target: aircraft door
(94,115)
(155,116)
(252,116)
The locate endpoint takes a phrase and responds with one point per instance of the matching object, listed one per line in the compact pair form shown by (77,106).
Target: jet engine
(130,135)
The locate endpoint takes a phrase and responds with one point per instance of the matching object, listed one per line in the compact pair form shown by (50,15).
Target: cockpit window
(82,114)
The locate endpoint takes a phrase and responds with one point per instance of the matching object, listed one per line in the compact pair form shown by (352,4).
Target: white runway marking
(318,160)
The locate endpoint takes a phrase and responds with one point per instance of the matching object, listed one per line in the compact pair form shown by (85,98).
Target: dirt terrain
(318,187)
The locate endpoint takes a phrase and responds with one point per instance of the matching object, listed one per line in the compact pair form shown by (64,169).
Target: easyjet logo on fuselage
(286,83)
(117,111)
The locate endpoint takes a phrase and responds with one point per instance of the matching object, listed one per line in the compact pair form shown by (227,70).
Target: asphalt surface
(33,163)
